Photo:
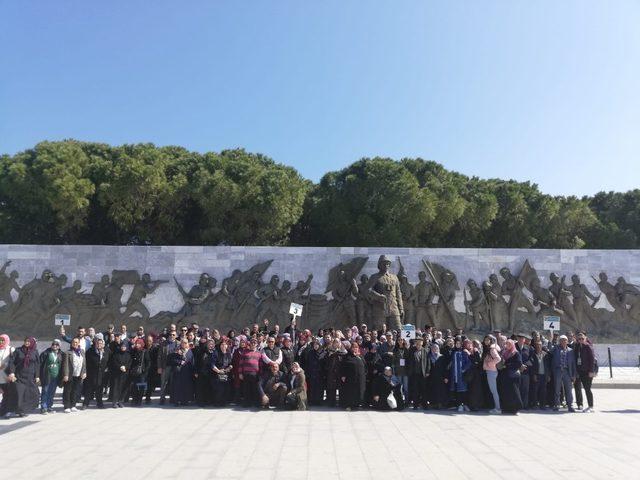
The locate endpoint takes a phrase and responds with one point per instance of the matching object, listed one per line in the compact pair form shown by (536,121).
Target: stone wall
(88,263)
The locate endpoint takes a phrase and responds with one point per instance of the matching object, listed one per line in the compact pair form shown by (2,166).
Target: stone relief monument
(510,298)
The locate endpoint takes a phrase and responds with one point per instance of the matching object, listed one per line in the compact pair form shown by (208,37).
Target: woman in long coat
(7,388)
(24,370)
(476,398)
(182,387)
(297,397)
(437,390)
(353,377)
(315,358)
(510,400)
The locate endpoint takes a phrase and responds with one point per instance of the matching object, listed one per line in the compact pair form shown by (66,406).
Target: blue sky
(545,91)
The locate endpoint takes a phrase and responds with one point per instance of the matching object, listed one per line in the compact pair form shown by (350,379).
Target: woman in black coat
(221,378)
(437,388)
(476,396)
(138,371)
(24,370)
(353,378)
(315,372)
(510,400)
(182,387)
(119,366)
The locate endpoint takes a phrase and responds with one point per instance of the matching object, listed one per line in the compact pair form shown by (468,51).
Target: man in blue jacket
(563,364)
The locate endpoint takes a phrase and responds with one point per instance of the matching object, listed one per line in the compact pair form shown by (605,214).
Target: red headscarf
(7,341)
(27,354)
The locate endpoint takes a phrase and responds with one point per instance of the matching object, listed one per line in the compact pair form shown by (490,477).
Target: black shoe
(147,400)
(572,410)
(120,405)
(162,401)
(100,405)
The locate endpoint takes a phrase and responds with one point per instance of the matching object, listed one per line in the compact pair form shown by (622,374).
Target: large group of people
(263,367)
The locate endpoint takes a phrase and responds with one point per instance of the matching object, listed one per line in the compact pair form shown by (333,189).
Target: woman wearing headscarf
(221,379)
(511,400)
(24,370)
(240,345)
(475,374)
(437,390)
(119,365)
(138,371)
(314,361)
(460,364)
(6,387)
(384,385)
(182,380)
(204,361)
(74,371)
(490,360)
(296,398)
(353,377)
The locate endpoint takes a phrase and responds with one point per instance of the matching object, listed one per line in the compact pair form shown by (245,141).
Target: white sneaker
(460,408)
(589,410)
(74,409)
(67,410)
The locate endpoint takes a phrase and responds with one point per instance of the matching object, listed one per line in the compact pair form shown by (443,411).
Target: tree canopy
(72,192)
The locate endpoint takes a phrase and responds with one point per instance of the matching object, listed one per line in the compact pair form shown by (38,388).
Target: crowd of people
(262,367)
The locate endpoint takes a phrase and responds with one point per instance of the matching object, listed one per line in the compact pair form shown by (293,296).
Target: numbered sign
(295,309)
(409,332)
(551,322)
(62,319)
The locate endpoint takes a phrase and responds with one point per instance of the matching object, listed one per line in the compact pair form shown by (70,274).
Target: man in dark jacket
(585,366)
(418,370)
(50,375)
(525,379)
(97,367)
(272,388)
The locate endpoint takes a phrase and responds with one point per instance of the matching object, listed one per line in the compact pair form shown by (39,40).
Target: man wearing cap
(527,363)
(50,375)
(563,365)
(384,289)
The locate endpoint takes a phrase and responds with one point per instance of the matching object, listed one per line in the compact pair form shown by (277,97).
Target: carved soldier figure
(446,300)
(99,290)
(344,306)
(299,294)
(363,301)
(385,292)
(498,309)
(408,299)
(562,295)
(581,306)
(268,299)
(629,296)
(610,294)
(425,309)
(478,306)
(512,287)
(196,296)
(140,290)
(7,284)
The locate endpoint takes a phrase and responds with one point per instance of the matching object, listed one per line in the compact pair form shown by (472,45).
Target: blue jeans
(492,376)
(48,391)
(404,380)
(562,379)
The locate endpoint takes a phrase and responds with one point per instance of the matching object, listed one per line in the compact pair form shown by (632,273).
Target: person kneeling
(272,388)
(387,394)
(297,396)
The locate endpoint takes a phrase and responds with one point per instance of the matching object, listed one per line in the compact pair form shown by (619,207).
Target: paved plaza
(156,442)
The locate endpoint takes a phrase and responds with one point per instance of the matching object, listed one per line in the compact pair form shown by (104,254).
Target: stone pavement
(154,442)
(623,377)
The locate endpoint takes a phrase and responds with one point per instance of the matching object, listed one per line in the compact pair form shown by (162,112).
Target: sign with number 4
(551,322)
